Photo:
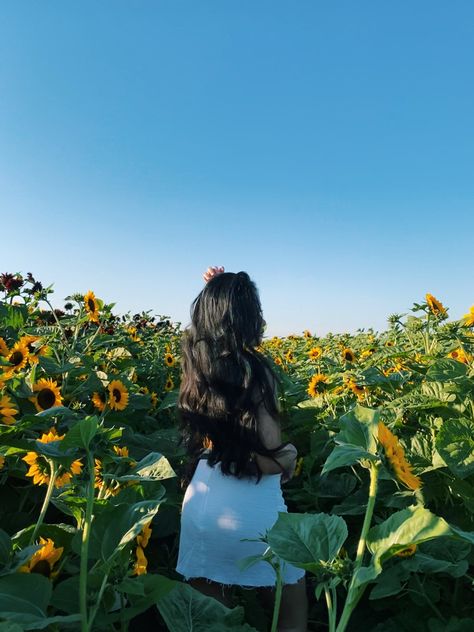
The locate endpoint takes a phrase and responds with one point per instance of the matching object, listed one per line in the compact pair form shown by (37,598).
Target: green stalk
(278,592)
(331,609)
(49,492)
(85,627)
(98,600)
(355,592)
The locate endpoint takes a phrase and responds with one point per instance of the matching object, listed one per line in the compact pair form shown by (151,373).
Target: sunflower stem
(98,600)
(355,590)
(85,627)
(49,492)
(278,593)
(58,323)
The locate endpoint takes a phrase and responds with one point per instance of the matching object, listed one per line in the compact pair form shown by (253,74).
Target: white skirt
(217,512)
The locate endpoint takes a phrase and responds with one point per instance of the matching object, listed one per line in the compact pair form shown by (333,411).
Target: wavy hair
(224,379)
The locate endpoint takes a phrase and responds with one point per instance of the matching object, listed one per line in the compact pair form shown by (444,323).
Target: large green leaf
(408,526)
(445,370)
(455,443)
(81,434)
(116,527)
(306,540)
(154,467)
(185,609)
(345,454)
(359,427)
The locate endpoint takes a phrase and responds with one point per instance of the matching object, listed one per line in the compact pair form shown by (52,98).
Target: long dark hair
(224,378)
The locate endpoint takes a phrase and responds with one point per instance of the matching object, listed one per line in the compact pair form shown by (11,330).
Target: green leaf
(5,548)
(306,540)
(185,609)
(359,427)
(7,626)
(170,400)
(446,370)
(24,593)
(345,454)
(154,467)
(81,434)
(408,526)
(116,527)
(455,443)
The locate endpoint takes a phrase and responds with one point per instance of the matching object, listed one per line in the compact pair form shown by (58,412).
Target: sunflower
(44,560)
(408,551)
(315,353)
(468,319)
(278,361)
(290,356)
(460,355)
(47,396)
(141,563)
(169,385)
(170,360)
(133,334)
(34,350)
(7,410)
(92,306)
(144,537)
(39,466)
(2,461)
(358,390)
(121,451)
(17,356)
(307,333)
(396,456)
(118,395)
(436,307)
(99,400)
(348,355)
(3,347)
(316,383)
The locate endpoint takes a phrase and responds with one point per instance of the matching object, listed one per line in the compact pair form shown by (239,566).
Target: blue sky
(325,147)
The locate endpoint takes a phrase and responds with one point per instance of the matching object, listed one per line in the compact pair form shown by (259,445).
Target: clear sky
(326,147)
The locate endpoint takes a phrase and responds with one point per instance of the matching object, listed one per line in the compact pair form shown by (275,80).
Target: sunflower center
(42,568)
(46,398)
(117,394)
(91,304)
(16,358)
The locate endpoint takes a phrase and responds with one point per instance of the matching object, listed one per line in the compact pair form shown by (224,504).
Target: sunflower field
(381,504)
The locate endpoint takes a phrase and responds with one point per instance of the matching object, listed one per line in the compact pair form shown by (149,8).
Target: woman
(228,409)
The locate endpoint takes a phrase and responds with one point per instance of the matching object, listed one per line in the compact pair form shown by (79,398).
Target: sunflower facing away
(315,386)
(348,355)
(8,410)
(40,469)
(436,307)
(396,457)
(47,395)
(99,400)
(92,306)
(118,395)
(3,347)
(44,560)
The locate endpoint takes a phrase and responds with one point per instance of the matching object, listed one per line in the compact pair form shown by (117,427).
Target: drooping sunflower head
(45,560)
(316,384)
(348,355)
(18,357)
(4,351)
(395,455)
(99,400)
(8,410)
(48,394)
(315,353)
(170,360)
(118,395)
(92,306)
(436,307)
